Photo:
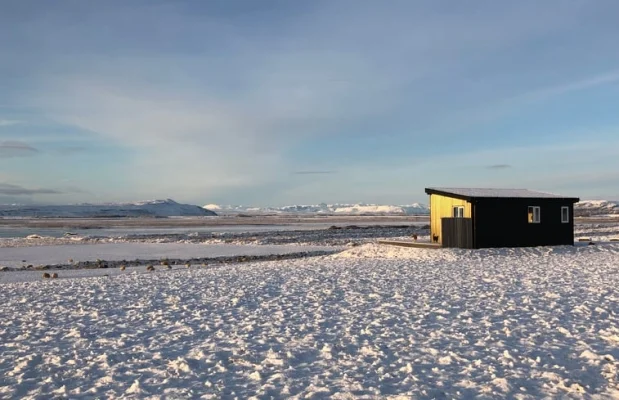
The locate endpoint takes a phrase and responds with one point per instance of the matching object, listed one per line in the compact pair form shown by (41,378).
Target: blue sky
(281,102)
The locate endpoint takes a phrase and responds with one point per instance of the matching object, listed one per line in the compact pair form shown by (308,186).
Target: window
(534,217)
(565,215)
(458,212)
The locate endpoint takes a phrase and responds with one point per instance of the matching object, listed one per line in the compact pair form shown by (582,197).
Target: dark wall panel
(457,232)
(504,223)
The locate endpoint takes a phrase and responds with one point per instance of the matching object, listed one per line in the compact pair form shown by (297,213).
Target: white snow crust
(372,322)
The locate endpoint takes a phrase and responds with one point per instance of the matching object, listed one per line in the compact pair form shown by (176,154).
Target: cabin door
(457,232)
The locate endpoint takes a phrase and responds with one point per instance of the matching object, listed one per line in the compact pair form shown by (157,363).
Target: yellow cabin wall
(442,207)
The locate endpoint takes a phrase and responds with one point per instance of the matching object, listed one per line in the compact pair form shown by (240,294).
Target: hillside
(587,208)
(154,208)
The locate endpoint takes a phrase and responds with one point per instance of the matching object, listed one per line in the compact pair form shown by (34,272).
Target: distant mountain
(153,208)
(583,208)
(588,208)
(325,209)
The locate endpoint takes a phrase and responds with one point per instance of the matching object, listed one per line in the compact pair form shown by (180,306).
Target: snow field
(372,322)
(597,232)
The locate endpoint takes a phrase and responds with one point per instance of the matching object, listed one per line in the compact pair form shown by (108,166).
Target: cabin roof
(479,193)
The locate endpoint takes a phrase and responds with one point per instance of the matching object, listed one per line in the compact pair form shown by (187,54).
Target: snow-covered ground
(310,235)
(372,322)
(596,231)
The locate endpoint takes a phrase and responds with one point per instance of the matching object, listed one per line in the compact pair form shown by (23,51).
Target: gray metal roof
(503,193)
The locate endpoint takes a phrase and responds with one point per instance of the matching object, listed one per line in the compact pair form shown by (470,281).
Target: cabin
(485,218)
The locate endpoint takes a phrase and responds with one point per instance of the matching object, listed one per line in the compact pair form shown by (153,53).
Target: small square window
(565,215)
(534,215)
(458,212)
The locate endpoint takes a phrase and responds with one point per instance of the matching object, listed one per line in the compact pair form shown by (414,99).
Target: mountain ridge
(148,208)
(170,208)
(325,209)
(582,208)
(587,208)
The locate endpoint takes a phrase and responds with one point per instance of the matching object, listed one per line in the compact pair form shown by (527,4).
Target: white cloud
(548,92)
(16,190)
(178,145)
(214,104)
(9,122)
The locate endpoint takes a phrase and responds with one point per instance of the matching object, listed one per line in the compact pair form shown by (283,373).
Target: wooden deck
(418,245)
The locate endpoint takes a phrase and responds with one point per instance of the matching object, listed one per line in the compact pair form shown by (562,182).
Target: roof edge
(431,191)
(441,192)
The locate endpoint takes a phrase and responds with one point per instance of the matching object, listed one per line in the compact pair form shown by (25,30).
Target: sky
(299,102)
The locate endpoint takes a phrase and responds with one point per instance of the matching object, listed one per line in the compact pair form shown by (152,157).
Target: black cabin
(481,218)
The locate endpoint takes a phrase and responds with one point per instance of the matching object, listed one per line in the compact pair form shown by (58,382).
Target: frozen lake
(22,232)
(18,256)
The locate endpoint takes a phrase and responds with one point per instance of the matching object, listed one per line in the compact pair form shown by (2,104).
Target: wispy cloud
(70,150)
(9,122)
(16,190)
(499,166)
(582,84)
(16,149)
(544,93)
(314,172)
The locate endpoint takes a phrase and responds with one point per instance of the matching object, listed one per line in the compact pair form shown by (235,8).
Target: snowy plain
(371,322)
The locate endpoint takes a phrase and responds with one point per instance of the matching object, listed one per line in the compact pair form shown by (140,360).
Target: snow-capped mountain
(583,208)
(153,208)
(596,207)
(326,209)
